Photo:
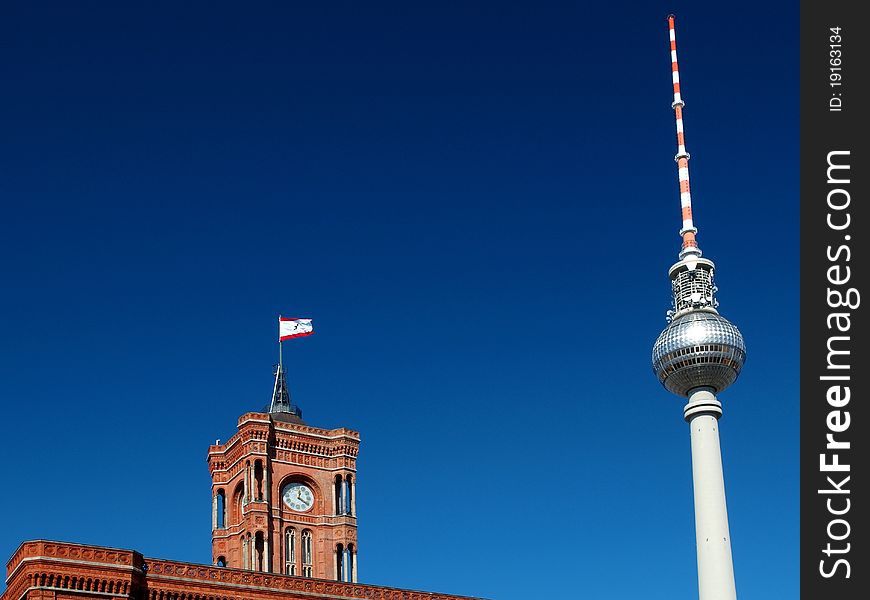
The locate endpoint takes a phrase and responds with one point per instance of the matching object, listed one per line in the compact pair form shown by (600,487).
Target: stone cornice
(253,437)
(227,580)
(77,553)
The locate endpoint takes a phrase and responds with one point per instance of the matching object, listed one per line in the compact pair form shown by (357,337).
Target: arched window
(258,480)
(238,500)
(338,494)
(220,510)
(307,566)
(259,552)
(246,554)
(351,563)
(339,563)
(290,551)
(221,561)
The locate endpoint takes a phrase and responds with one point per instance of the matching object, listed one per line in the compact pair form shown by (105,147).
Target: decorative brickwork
(44,570)
(252,521)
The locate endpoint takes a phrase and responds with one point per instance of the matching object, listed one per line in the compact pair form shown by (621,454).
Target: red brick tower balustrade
(284,498)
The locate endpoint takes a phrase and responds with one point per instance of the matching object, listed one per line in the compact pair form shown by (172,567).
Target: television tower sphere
(699,348)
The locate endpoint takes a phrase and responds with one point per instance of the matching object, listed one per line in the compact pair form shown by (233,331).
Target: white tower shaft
(713,539)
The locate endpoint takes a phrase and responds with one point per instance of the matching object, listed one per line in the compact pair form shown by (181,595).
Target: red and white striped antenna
(688,231)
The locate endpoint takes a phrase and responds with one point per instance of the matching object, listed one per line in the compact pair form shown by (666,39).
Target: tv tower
(699,354)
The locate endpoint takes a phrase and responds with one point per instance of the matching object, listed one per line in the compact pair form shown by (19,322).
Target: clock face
(298,496)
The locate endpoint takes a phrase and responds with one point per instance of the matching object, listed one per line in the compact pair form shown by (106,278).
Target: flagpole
(280,348)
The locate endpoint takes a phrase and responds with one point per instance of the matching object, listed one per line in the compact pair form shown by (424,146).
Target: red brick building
(283,498)
(283,528)
(42,570)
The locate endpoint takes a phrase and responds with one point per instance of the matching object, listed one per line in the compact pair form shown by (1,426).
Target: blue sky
(476,202)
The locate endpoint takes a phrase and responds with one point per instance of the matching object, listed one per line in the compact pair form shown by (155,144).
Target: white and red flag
(293,328)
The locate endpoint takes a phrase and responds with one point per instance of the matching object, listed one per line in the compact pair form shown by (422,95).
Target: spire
(281,402)
(688,231)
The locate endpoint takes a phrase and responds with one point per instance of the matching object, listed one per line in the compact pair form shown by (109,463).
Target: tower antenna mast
(698,355)
(688,231)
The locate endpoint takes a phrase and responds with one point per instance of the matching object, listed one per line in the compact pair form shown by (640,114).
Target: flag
(292,328)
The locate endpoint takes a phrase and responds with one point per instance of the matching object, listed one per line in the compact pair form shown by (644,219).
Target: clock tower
(283,494)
